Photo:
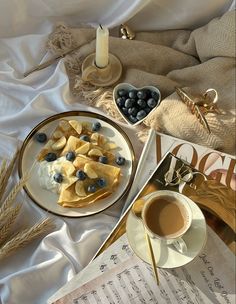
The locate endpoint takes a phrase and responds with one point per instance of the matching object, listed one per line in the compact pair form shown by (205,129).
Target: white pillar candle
(102,47)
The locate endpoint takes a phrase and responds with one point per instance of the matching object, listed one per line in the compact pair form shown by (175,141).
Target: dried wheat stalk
(10,217)
(2,169)
(6,172)
(12,195)
(25,236)
(8,214)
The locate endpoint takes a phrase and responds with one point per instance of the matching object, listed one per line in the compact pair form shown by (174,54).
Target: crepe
(58,139)
(65,138)
(69,197)
(68,137)
(91,149)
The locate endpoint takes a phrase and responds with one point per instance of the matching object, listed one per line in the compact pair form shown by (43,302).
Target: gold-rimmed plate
(47,199)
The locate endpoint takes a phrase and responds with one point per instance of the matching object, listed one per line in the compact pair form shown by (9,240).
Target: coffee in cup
(167,216)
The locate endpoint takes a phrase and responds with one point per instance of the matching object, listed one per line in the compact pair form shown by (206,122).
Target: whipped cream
(46,172)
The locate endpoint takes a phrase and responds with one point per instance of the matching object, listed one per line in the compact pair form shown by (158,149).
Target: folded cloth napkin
(194,60)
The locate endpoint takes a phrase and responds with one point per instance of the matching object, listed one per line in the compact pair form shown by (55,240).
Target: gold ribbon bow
(201,105)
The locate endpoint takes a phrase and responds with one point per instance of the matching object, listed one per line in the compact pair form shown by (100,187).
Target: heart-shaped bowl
(131,106)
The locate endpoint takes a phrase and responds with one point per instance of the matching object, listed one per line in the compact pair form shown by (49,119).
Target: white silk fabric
(34,273)
(20,17)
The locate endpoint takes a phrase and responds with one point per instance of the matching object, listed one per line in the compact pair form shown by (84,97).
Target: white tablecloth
(35,272)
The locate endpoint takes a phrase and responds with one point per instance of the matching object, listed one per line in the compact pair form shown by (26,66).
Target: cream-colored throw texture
(194,60)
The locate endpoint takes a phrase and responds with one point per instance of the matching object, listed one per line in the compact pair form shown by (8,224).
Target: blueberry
(133,119)
(129,102)
(133,111)
(120,101)
(103,159)
(81,175)
(124,110)
(155,95)
(142,94)
(70,156)
(142,103)
(58,178)
(133,94)
(120,160)
(92,188)
(148,93)
(141,114)
(85,137)
(101,182)
(41,137)
(122,93)
(151,103)
(50,157)
(147,110)
(96,126)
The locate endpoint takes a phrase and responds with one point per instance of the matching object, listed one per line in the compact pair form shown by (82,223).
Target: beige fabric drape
(195,60)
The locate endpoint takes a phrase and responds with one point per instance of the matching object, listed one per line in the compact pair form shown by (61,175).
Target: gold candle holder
(101,77)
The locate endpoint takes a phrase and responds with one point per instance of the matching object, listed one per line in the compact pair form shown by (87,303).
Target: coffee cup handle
(180,245)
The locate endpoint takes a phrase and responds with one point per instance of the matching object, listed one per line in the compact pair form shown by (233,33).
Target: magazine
(122,273)
(218,165)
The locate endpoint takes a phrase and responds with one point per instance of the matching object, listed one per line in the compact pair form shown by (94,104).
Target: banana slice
(89,171)
(49,144)
(110,146)
(95,152)
(58,145)
(102,140)
(57,134)
(68,169)
(76,125)
(94,137)
(64,125)
(79,188)
(83,149)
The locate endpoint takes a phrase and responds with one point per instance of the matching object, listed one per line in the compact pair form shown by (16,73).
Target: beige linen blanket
(194,60)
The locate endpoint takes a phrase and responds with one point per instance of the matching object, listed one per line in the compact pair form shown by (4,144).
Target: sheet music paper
(118,276)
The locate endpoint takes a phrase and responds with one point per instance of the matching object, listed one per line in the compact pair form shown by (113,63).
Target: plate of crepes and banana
(79,163)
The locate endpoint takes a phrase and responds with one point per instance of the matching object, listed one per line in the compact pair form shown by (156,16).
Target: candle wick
(101,26)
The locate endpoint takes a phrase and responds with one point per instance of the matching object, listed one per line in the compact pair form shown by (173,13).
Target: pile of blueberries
(136,104)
